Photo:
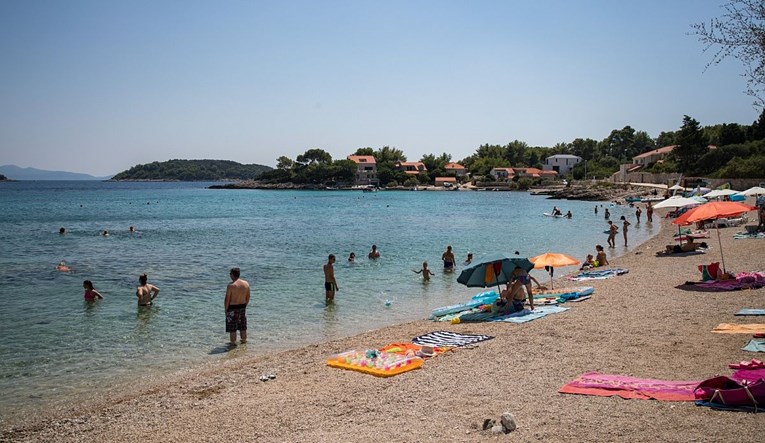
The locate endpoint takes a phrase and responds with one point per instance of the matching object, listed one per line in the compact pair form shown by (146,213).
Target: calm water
(54,346)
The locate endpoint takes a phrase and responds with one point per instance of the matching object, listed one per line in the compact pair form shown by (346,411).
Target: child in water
(424,271)
(90,292)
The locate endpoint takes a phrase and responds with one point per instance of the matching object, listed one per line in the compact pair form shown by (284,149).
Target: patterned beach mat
(449,339)
(598,275)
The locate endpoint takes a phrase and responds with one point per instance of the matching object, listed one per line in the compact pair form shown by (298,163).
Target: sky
(99,86)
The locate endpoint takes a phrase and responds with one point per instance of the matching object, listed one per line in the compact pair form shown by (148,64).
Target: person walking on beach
(612,229)
(624,228)
(90,292)
(330,284)
(637,214)
(649,212)
(235,305)
(374,253)
(146,293)
(600,258)
(426,273)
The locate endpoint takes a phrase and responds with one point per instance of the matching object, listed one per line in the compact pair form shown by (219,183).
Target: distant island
(3,178)
(192,170)
(13,172)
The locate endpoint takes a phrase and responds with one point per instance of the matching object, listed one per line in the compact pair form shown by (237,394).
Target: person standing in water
(235,305)
(330,284)
(374,253)
(426,273)
(90,292)
(612,234)
(649,212)
(624,228)
(146,293)
(448,259)
(638,211)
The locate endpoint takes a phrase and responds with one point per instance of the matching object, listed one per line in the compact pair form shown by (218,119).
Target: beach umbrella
(699,199)
(756,190)
(552,260)
(676,188)
(719,193)
(713,211)
(493,269)
(676,201)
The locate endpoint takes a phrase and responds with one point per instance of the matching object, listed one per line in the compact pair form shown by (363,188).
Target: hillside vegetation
(193,170)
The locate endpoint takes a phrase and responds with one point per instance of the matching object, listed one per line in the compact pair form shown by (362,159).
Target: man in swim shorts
(235,304)
(330,284)
(448,259)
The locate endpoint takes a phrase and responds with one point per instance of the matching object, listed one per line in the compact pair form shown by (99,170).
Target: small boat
(632,199)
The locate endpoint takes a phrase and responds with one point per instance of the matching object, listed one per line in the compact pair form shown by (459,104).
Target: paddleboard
(547,214)
(483,298)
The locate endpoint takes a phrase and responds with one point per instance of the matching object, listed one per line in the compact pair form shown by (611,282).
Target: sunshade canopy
(491,270)
(675,202)
(713,210)
(553,259)
(756,190)
(719,193)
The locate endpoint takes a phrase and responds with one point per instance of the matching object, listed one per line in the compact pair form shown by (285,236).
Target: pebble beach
(638,324)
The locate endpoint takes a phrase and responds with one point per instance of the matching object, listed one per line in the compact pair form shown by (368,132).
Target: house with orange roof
(653,156)
(502,174)
(528,172)
(446,182)
(366,172)
(413,168)
(455,168)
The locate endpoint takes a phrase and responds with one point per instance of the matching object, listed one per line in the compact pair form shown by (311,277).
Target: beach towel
(747,311)
(449,339)
(743,280)
(732,328)
(598,275)
(604,385)
(749,376)
(755,345)
(748,235)
(527,315)
(710,271)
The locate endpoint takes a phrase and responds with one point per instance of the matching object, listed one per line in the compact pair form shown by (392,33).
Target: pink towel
(604,385)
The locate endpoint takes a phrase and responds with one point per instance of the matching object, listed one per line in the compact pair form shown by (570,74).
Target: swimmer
(131,229)
(426,273)
(90,292)
(62,267)
(146,293)
(569,214)
(352,257)
(469,258)
(105,233)
(374,253)
(62,231)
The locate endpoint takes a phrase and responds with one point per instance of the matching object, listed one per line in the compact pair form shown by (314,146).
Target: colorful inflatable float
(374,362)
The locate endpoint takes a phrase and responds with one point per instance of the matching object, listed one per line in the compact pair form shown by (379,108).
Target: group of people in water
(556,212)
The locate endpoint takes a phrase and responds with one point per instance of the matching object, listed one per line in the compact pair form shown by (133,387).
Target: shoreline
(637,324)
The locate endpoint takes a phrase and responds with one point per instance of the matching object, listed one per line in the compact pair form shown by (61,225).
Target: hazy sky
(99,86)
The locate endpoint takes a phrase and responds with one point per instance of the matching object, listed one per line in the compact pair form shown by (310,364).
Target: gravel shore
(638,324)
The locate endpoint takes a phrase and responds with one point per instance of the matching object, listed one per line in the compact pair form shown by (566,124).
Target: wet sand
(638,324)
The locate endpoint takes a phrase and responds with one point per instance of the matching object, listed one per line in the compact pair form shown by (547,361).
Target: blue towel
(755,345)
(747,311)
(527,315)
(722,407)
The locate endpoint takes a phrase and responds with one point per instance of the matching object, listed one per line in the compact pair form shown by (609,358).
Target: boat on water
(633,199)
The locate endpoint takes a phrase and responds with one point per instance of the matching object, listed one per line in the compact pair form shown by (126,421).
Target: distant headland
(192,170)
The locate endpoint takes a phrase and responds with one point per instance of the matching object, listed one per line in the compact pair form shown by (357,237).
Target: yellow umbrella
(552,260)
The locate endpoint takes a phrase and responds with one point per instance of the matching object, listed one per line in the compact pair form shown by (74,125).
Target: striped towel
(448,339)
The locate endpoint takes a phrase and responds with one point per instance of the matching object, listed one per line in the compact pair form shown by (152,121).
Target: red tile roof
(362,159)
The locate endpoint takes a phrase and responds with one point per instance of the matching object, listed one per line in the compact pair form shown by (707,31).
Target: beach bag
(710,271)
(726,391)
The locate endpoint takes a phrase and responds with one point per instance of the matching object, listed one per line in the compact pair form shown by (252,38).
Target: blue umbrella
(493,269)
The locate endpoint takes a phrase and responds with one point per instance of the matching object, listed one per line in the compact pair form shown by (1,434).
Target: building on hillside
(502,174)
(561,163)
(446,182)
(528,172)
(411,167)
(653,156)
(366,172)
(455,168)
(549,174)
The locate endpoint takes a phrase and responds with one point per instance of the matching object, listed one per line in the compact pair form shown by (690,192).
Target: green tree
(666,139)
(313,156)
(284,163)
(691,145)
(739,33)
(584,148)
(365,151)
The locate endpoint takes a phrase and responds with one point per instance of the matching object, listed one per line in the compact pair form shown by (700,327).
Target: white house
(502,174)
(366,174)
(561,163)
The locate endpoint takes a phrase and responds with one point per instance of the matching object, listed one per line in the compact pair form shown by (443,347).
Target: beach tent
(713,211)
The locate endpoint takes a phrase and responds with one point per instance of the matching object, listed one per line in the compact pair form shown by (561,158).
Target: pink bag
(729,392)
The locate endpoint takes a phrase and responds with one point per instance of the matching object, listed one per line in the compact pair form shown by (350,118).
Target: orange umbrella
(713,211)
(552,260)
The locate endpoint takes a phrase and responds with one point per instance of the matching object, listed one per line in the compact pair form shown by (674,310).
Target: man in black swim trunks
(330,284)
(235,303)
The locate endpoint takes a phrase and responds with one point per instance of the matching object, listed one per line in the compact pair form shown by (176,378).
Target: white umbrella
(719,193)
(675,202)
(676,188)
(753,191)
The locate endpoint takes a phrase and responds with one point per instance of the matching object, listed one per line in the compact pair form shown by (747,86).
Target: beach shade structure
(552,260)
(676,188)
(756,190)
(720,193)
(713,211)
(676,201)
(699,199)
(491,270)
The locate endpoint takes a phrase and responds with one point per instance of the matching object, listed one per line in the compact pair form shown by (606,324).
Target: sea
(55,348)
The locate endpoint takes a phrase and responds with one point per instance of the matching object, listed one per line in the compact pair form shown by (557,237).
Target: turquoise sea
(55,347)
